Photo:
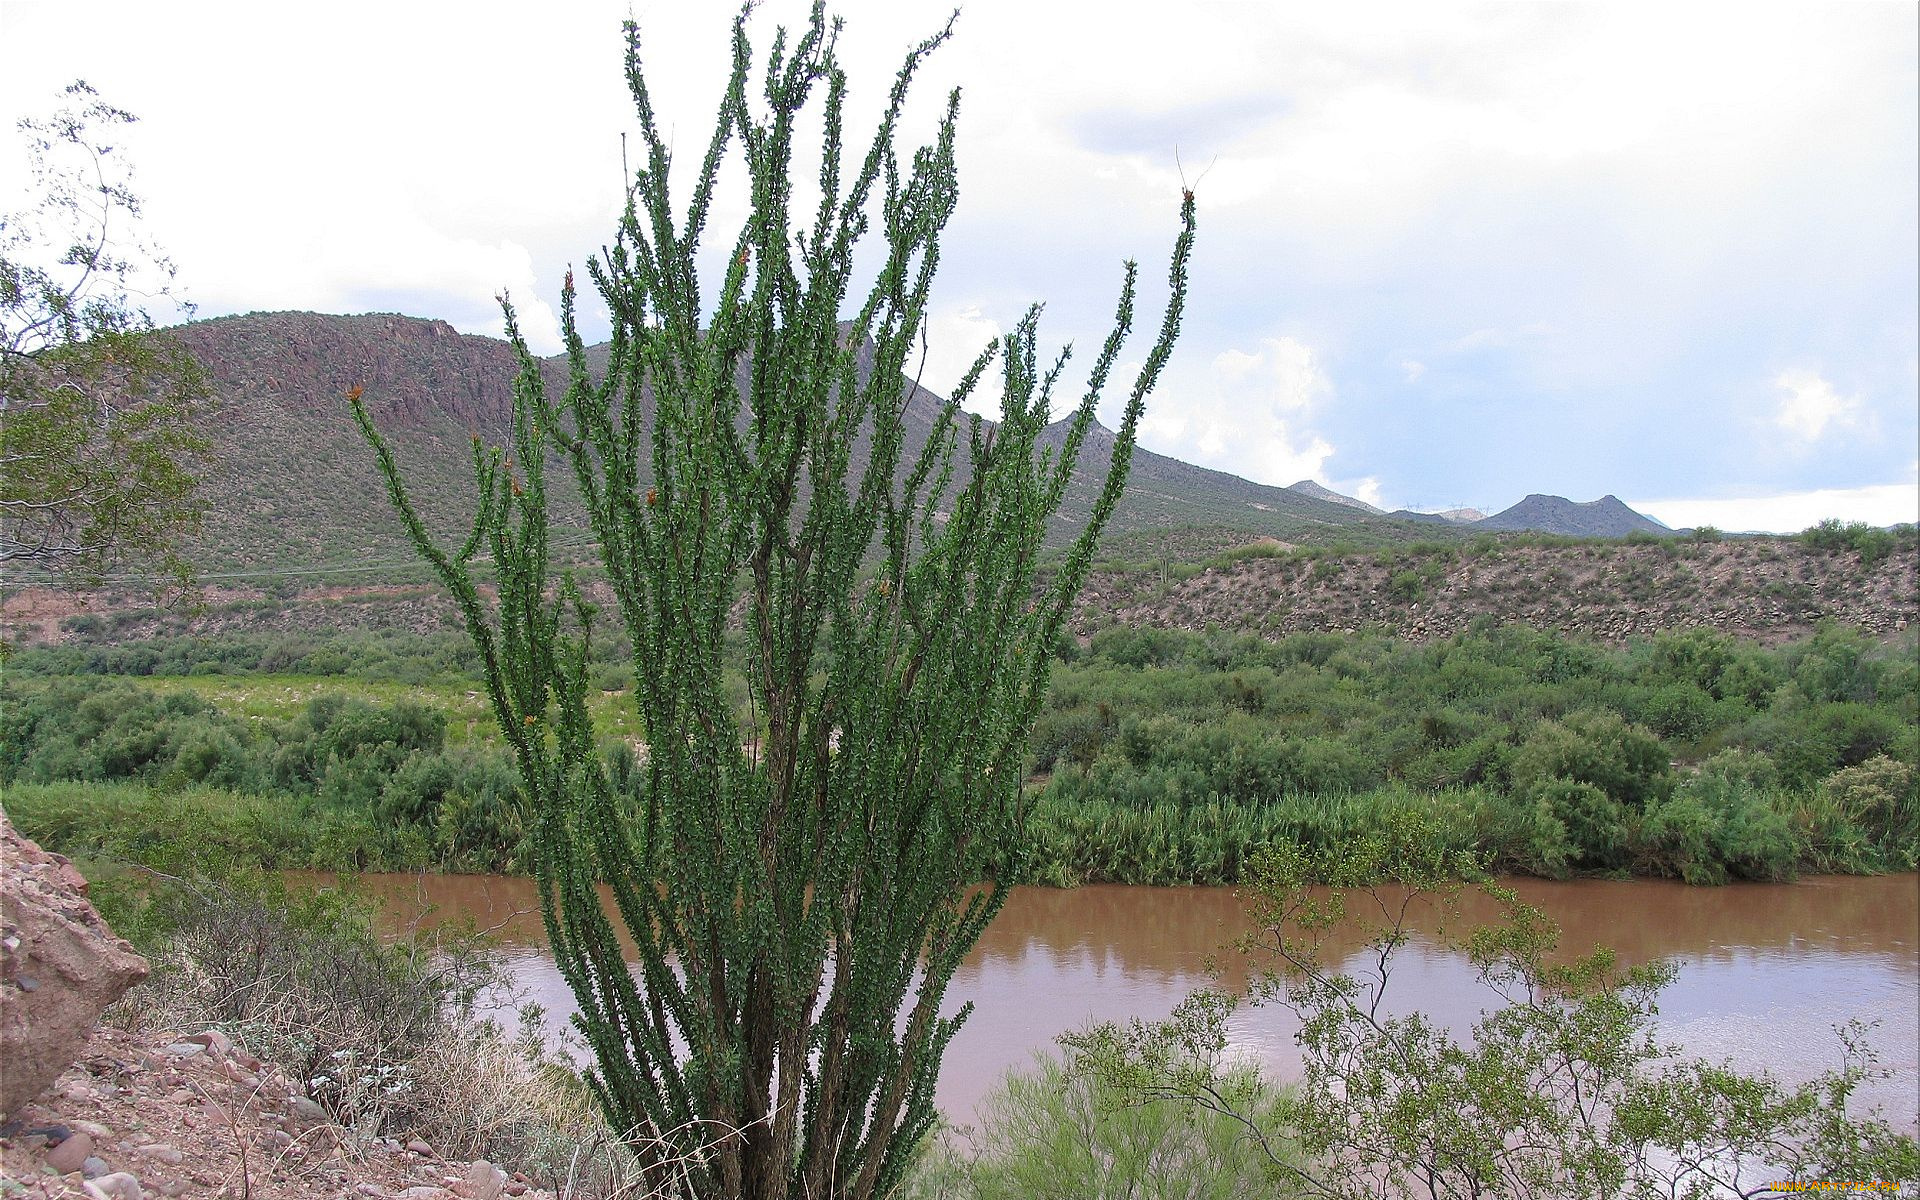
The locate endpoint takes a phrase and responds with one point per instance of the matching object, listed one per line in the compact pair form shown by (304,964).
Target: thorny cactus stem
(797,881)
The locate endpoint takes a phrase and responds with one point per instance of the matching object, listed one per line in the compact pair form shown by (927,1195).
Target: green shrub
(1813,741)
(1311,724)
(1407,586)
(1832,537)
(1594,824)
(1047,1133)
(1724,821)
(1751,768)
(1627,763)
(1756,838)
(1874,816)
(1680,838)
(1074,736)
(1677,711)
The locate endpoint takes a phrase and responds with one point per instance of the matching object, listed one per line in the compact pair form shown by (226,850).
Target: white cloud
(1250,415)
(1810,406)
(1882,504)
(1234,364)
(955,337)
(406,262)
(1294,372)
(1413,369)
(1367,489)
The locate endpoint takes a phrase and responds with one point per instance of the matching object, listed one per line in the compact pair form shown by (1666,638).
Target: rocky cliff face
(291,485)
(415,371)
(59,967)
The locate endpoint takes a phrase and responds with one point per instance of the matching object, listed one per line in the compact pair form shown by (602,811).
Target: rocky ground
(1770,590)
(160,1114)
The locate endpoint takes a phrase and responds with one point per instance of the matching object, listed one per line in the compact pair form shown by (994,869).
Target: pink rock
(218,1044)
(59,966)
(484,1181)
(118,1186)
(72,1154)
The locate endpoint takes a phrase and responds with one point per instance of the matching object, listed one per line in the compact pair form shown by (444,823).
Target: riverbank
(191,1115)
(1717,827)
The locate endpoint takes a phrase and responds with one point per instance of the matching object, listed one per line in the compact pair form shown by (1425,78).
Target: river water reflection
(1766,970)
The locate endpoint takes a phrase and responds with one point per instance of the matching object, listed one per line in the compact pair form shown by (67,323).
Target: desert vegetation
(1159,757)
(384,1039)
(805,678)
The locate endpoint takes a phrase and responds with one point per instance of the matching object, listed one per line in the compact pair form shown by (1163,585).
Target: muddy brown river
(1766,971)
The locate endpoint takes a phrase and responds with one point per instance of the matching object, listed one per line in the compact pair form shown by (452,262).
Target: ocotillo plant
(798,881)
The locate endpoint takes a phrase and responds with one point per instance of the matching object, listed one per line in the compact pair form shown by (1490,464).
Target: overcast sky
(1448,255)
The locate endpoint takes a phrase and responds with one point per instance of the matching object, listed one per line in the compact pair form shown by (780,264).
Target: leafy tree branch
(1560,1090)
(99,411)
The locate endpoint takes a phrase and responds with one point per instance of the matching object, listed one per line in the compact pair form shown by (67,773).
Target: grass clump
(388,1036)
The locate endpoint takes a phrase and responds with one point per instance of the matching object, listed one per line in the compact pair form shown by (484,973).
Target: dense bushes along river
(1161,759)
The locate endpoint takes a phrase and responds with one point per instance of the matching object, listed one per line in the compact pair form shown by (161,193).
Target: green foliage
(1865,816)
(796,884)
(1561,1090)
(1073,1136)
(1072,842)
(408,658)
(343,784)
(178,825)
(1590,825)
(1160,756)
(1721,822)
(98,412)
(1832,536)
(1725,819)
(1627,764)
(1812,741)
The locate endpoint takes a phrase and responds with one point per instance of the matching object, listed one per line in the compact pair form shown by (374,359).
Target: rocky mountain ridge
(293,488)
(292,485)
(1608,516)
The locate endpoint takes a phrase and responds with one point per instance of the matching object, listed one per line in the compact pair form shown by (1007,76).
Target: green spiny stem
(798,886)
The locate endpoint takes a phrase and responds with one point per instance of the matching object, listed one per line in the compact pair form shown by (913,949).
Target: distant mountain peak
(1307,487)
(1606,517)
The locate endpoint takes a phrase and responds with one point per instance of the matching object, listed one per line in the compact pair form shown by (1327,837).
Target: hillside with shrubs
(1769,589)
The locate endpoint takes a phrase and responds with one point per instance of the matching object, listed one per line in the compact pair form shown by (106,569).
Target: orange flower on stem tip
(354,393)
